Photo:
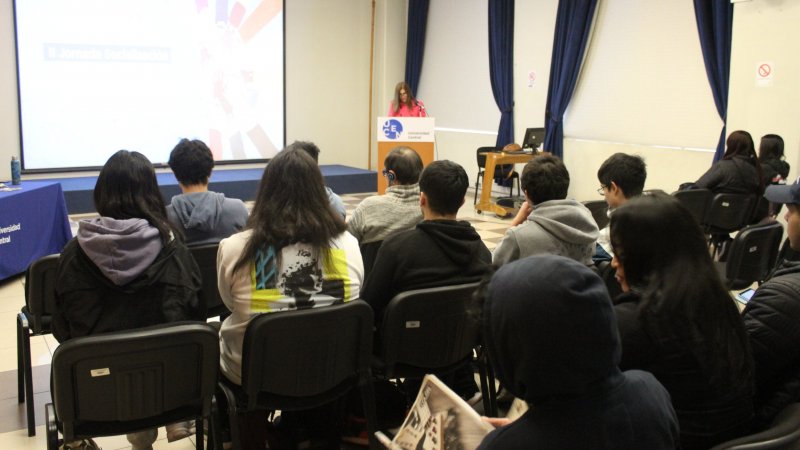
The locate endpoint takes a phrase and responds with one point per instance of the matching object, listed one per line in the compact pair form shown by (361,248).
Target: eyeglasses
(385,172)
(602,190)
(402,92)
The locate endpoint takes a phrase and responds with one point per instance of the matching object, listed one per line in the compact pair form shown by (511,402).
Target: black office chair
(123,382)
(697,201)
(752,255)
(726,213)
(599,210)
(303,359)
(206,257)
(502,171)
(783,434)
(34,320)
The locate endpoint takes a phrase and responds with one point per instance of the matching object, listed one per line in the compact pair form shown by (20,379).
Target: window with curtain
(455,82)
(643,81)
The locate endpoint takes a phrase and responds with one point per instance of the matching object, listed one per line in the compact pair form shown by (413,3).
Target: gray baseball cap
(787,193)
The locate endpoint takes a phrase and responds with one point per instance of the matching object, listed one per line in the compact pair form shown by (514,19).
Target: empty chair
(206,257)
(34,320)
(728,213)
(752,254)
(697,201)
(599,210)
(303,359)
(504,171)
(128,381)
(783,434)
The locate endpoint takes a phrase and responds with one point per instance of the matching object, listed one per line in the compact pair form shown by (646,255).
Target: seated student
(313,151)
(295,253)
(770,156)
(621,178)
(677,320)
(380,216)
(552,339)
(548,222)
(738,172)
(771,319)
(127,268)
(203,216)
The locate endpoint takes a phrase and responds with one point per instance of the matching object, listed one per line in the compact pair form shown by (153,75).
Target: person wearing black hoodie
(552,339)
(771,319)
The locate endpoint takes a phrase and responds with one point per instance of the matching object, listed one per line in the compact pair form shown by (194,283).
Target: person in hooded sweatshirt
(127,268)
(552,339)
(548,222)
(203,216)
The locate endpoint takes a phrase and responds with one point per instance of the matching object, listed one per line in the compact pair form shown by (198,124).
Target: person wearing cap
(771,319)
(552,339)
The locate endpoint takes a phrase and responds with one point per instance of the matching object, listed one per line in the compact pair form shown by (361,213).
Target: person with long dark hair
(405,104)
(739,170)
(127,268)
(770,155)
(677,320)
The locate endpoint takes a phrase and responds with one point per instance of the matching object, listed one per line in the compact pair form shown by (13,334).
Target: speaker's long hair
(397,102)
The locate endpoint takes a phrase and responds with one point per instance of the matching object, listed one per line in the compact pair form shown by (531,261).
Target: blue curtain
(715,25)
(501,65)
(415,41)
(573,24)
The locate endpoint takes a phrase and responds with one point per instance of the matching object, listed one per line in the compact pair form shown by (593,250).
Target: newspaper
(439,420)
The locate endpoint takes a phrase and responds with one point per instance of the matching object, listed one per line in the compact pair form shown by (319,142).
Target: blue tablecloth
(33,223)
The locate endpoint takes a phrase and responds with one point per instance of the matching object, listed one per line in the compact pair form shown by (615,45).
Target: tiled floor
(13,431)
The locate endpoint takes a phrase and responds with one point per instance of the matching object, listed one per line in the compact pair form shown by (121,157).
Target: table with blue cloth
(33,223)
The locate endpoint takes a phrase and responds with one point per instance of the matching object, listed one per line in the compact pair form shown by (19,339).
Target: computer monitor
(534,137)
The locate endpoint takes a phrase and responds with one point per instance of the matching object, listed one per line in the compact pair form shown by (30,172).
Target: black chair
(502,171)
(206,257)
(726,213)
(369,252)
(123,382)
(752,254)
(783,434)
(303,359)
(599,210)
(696,201)
(34,320)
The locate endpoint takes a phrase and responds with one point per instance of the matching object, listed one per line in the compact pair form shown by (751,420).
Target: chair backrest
(753,254)
(783,434)
(113,383)
(482,158)
(433,328)
(206,257)
(599,210)
(304,358)
(728,212)
(697,201)
(40,292)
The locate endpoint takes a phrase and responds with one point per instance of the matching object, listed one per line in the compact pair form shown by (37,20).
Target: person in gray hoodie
(127,268)
(203,216)
(548,222)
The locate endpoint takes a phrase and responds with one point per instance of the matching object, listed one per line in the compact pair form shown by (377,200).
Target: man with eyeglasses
(621,178)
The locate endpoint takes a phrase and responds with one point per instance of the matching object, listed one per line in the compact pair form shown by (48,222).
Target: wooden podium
(414,132)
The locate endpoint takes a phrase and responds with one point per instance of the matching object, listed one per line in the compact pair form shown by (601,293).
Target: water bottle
(15,167)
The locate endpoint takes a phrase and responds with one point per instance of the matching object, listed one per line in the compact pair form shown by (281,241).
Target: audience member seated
(771,319)
(548,222)
(677,320)
(203,216)
(440,251)
(380,216)
(738,172)
(311,148)
(127,268)
(295,254)
(770,154)
(621,178)
(552,339)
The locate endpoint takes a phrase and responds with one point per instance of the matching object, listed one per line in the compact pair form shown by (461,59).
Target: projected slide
(96,76)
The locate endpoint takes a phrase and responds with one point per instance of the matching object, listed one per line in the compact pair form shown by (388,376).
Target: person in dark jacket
(127,268)
(439,251)
(552,339)
(738,172)
(677,320)
(770,155)
(771,319)
(203,216)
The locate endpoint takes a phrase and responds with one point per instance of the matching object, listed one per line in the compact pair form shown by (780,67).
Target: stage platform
(234,183)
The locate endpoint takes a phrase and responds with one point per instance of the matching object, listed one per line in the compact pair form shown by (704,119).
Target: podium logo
(392,128)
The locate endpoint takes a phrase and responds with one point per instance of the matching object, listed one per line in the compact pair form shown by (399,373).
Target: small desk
(494,159)
(33,223)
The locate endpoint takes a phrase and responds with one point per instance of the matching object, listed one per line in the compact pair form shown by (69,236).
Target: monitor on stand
(534,138)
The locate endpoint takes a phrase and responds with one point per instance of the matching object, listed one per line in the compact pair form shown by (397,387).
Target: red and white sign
(765,73)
